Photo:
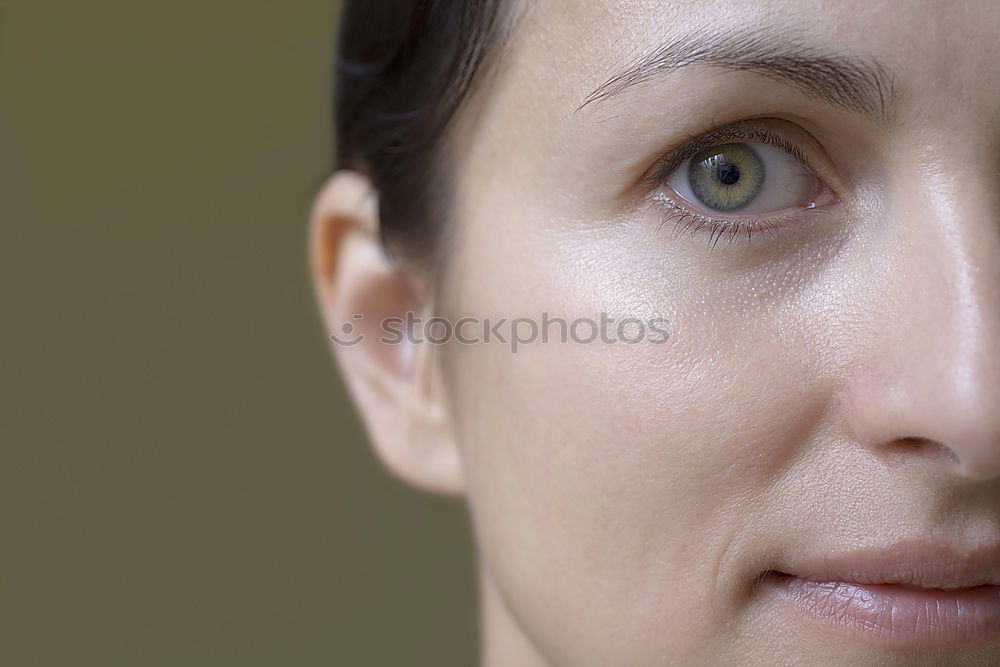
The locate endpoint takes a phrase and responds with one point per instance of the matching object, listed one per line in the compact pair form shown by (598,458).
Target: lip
(911,593)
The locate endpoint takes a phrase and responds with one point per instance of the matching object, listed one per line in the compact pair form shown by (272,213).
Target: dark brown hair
(403,68)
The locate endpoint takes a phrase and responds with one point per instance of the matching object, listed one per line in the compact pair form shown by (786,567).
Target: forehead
(568,48)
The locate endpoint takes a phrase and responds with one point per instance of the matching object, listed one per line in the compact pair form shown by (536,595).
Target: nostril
(913,447)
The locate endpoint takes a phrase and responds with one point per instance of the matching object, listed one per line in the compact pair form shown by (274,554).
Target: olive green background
(182,480)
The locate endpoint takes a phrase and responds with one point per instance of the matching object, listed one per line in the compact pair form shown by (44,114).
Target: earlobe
(395,382)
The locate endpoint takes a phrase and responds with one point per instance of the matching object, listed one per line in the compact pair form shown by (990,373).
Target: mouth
(905,595)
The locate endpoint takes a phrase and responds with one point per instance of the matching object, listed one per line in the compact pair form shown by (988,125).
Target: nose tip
(952,422)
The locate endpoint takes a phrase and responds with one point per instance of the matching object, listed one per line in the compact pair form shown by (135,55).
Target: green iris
(726,177)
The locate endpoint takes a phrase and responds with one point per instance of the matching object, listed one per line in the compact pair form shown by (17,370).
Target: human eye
(739,181)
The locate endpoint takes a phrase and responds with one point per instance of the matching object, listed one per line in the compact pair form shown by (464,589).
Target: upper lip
(922,564)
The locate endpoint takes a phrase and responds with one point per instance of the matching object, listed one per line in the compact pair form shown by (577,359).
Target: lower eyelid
(822,196)
(715,229)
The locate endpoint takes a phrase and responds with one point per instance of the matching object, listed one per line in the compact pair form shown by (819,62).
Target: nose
(929,383)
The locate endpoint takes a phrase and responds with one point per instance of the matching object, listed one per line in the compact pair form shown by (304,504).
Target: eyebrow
(851,82)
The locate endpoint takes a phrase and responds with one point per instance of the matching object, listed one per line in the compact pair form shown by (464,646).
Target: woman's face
(806,192)
(828,402)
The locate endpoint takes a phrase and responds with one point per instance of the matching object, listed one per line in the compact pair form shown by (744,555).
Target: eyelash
(691,222)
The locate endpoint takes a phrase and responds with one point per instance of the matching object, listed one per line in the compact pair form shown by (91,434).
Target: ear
(396,384)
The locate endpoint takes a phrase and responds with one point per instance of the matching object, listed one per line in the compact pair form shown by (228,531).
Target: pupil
(728,173)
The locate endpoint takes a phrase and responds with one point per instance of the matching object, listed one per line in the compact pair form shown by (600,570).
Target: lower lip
(894,613)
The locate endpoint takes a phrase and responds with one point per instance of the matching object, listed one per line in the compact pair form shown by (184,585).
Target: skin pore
(830,392)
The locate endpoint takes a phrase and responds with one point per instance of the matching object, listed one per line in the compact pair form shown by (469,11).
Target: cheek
(607,481)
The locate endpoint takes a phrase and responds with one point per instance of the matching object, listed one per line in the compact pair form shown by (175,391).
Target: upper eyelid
(737,132)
